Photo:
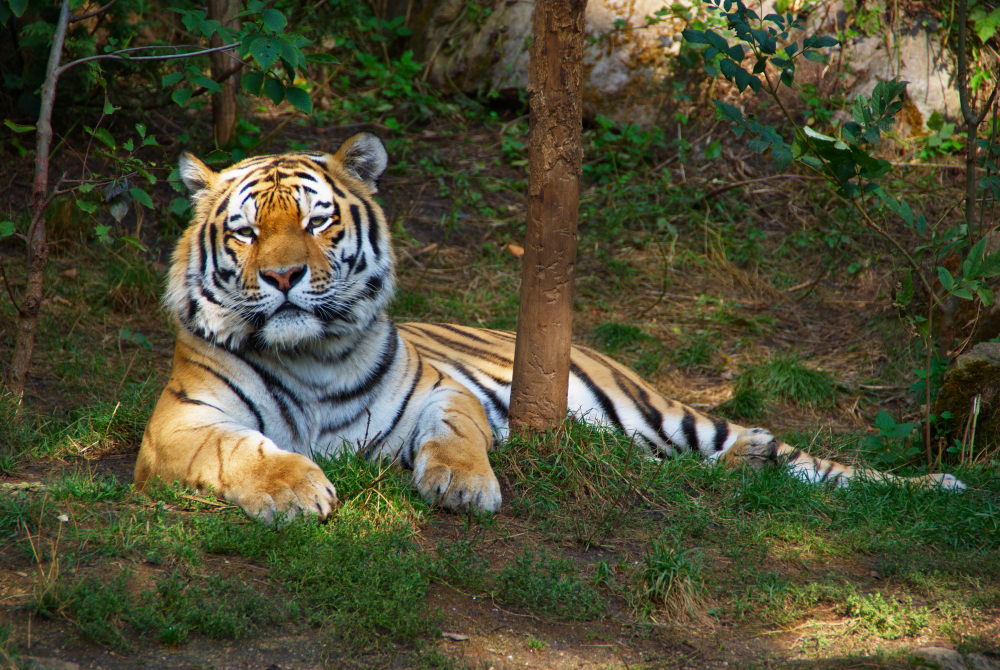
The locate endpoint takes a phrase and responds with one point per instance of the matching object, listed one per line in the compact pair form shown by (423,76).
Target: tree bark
(224,108)
(38,250)
(545,319)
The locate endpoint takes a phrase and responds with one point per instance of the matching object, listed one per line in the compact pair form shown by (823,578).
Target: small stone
(980,662)
(941,657)
(44,663)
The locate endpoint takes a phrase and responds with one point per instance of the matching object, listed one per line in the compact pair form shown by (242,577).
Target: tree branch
(118,55)
(99,10)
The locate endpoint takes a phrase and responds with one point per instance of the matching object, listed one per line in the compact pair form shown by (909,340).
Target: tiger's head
(284,250)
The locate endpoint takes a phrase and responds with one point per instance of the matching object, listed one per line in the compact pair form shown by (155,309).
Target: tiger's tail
(757,447)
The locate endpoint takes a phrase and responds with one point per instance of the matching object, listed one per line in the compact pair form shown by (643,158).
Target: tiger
(279,290)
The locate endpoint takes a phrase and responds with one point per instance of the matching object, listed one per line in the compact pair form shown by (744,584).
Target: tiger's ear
(195,174)
(364,158)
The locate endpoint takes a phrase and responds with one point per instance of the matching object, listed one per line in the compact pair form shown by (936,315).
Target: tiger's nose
(285,278)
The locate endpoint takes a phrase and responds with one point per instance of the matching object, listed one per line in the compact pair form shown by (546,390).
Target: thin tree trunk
(224,109)
(38,250)
(541,360)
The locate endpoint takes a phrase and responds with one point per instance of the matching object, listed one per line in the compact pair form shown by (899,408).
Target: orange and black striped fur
(279,289)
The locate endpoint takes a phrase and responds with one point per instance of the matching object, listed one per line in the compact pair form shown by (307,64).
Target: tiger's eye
(245,231)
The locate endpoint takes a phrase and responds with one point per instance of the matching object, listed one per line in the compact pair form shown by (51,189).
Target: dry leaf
(515,250)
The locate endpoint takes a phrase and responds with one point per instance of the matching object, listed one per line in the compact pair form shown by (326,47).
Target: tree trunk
(541,360)
(38,250)
(224,109)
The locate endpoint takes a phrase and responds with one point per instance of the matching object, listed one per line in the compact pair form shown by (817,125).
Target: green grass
(673,579)
(781,378)
(548,585)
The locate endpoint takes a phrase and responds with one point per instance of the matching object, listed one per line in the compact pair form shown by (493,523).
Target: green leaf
(717,41)
(274,90)
(322,59)
(815,56)
(947,281)
(818,135)
(962,292)
(86,206)
(299,99)
(16,127)
(181,95)
(265,51)
(141,129)
(252,81)
(6,229)
(103,136)
(819,42)
(274,20)
(18,7)
(695,36)
(207,83)
(179,207)
(141,197)
(109,108)
(170,79)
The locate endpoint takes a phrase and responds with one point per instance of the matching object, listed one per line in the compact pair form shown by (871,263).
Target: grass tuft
(549,585)
(672,578)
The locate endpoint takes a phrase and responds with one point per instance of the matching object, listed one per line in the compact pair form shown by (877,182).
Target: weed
(672,579)
(84,486)
(132,282)
(367,585)
(458,564)
(888,618)
(548,584)
(617,336)
(747,404)
(695,350)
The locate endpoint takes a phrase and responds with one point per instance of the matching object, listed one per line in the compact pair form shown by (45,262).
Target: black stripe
(467,348)
(223,204)
(183,397)
(827,473)
(602,398)
(272,384)
(385,361)
(402,406)
(721,434)
(356,217)
(373,286)
(307,176)
(372,229)
(333,187)
(640,397)
(464,332)
(499,407)
(261,426)
(689,429)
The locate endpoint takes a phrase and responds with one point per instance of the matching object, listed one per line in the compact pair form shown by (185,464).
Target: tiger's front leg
(193,442)
(451,466)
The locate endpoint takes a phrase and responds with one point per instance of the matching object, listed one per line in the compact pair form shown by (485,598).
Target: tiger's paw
(282,486)
(455,487)
(756,448)
(945,481)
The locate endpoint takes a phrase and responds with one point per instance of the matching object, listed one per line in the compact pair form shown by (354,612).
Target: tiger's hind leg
(451,466)
(757,447)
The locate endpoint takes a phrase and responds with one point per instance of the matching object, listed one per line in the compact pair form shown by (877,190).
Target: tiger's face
(284,250)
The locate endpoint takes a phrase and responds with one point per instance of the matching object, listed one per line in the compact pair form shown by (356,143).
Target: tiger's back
(279,289)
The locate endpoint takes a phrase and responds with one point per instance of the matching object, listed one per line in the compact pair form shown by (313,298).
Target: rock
(626,61)
(975,373)
(914,52)
(629,63)
(940,657)
(44,663)
(980,662)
